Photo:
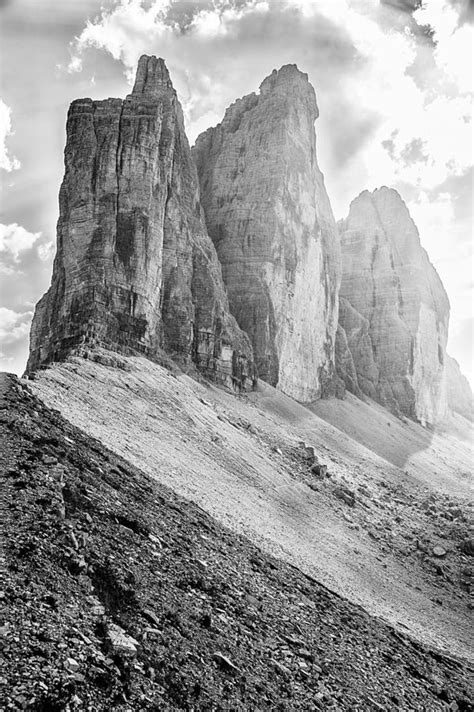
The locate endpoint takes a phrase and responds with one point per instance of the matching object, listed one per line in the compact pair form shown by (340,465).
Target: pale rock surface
(360,375)
(458,390)
(399,344)
(345,363)
(135,270)
(269,216)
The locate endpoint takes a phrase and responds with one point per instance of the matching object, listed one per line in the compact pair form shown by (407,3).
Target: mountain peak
(287,74)
(152,76)
(290,81)
(115,270)
(270,247)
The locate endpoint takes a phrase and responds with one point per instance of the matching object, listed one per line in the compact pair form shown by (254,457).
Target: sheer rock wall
(394,308)
(271,222)
(135,269)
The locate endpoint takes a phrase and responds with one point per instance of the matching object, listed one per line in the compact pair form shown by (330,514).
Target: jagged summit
(288,77)
(288,73)
(152,77)
(290,81)
(388,199)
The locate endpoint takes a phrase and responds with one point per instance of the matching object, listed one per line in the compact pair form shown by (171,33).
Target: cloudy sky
(394,85)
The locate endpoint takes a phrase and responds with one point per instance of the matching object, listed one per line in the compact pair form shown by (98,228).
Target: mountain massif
(259,281)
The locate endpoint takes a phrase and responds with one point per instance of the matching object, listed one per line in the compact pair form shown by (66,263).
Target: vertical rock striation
(271,222)
(135,269)
(394,309)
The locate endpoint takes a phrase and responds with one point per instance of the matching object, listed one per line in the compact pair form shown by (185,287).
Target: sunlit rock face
(354,356)
(271,222)
(135,269)
(396,319)
(458,390)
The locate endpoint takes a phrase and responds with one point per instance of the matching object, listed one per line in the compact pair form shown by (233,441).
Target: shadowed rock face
(394,309)
(135,269)
(270,219)
(458,390)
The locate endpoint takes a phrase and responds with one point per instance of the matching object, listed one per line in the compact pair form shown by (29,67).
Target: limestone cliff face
(135,268)
(458,391)
(396,311)
(271,222)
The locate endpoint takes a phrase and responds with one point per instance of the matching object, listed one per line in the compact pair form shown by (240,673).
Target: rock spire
(135,269)
(394,309)
(270,219)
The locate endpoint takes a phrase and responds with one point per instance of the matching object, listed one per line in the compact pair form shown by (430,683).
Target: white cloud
(15,239)
(46,251)
(14,326)
(223,48)
(7,162)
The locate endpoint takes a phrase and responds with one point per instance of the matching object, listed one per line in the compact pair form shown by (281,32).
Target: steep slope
(121,595)
(396,322)
(367,528)
(458,391)
(135,269)
(270,219)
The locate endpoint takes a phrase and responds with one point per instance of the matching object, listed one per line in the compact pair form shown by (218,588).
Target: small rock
(345,495)
(50,460)
(281,669)
(308,452)
(306,654)
(71,665)
(120,642)
(319,470)
(467,547)
(155,540)
(375,704)
(292,640)
(439,552)
(152,617)
(225,663)
(153,632)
